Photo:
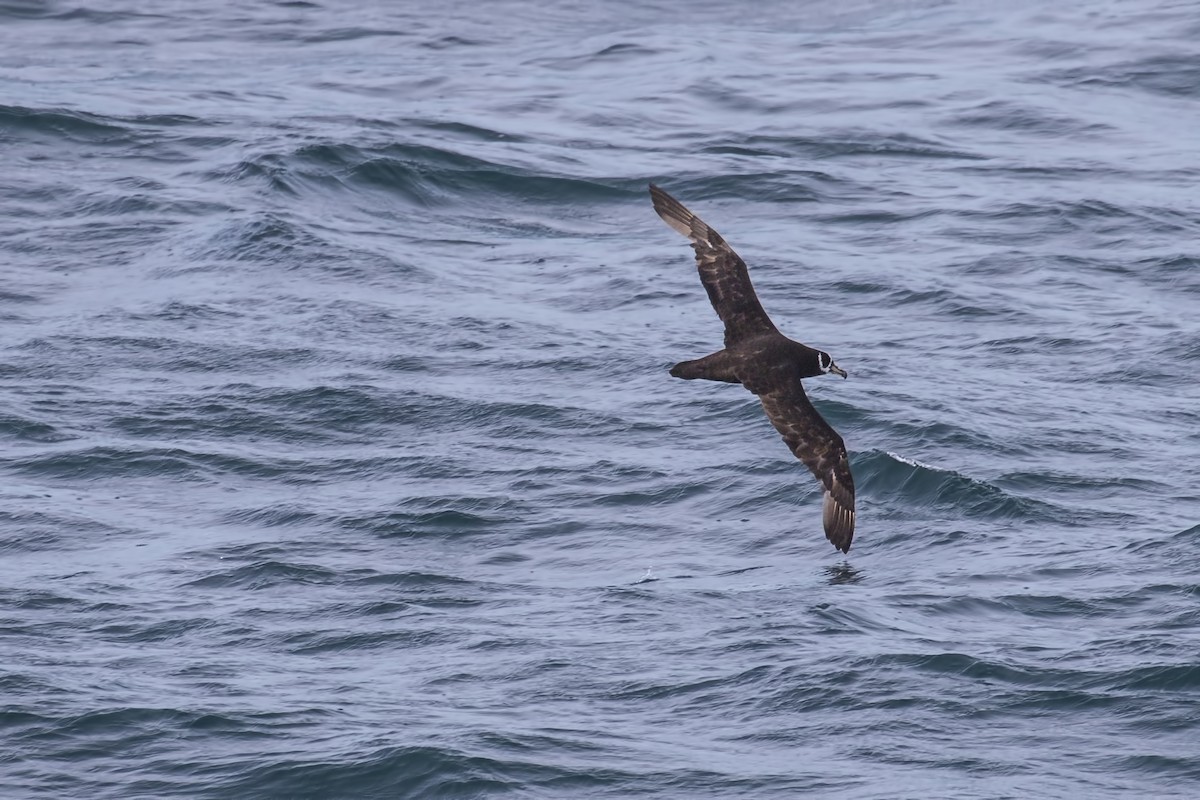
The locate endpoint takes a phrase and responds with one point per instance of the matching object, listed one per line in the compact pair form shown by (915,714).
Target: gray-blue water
(338,456)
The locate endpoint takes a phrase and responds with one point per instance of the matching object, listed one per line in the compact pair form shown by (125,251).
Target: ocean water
(338,456)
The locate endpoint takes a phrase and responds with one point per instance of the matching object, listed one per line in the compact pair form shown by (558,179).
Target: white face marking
(824,361)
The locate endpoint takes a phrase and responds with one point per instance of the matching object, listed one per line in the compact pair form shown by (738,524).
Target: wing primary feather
(672,211)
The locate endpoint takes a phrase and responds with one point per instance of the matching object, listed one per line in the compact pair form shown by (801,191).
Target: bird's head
(825,362)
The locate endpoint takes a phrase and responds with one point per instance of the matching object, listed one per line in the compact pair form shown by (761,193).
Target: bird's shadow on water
(843,573)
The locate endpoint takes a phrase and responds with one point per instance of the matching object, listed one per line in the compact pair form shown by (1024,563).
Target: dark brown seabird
(767,363)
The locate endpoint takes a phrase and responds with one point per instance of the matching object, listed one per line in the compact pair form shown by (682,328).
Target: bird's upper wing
(821,449)
(722,271)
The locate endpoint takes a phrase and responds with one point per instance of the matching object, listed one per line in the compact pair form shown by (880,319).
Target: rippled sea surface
(339,458)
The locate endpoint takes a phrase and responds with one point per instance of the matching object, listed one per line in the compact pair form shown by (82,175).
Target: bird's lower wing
(819,446)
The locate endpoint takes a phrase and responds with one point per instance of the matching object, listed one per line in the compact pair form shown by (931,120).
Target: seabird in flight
(767,363)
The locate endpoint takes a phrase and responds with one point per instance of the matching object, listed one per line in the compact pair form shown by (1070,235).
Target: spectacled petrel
(767,363)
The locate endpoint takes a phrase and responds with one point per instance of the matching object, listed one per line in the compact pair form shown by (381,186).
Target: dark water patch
(267,237)
(285,515)
(80,357)
(1049,606)
(241,412)
(1007,115)
(1188,535)
(40,599)
(229,727)
(457,516)
(317,643)
(26,429)
(272,173)
(882,474)
(91,732)
(352,34)
(708,691)
(29,531)
(1176,272)
(507,419)
(947,301)
(412,580)
(511,558)
(861,287)
(854,143)
(376,608)
(961,665)
(921,434)
(425,771)
(439,185)
(92,735)
(614,294)
(842,692)
(270,574)
(738,501)
(1075,483)
(1164,678)
(423,175)
(418,593)
(157,211)
(253,551)
(179,311)
(10,296)
(877,218)
(1182,545)
(1092,216)
(763,186)
(79,127)
(1003,266)
(1178,768)
(294,244)
(26,9)
(139,183)
(405,363)
(1183,348)
(164,138)
(979,608)
(1067,170)
(566,364)
(468,131)
(451,42)
(96,16)
(547,740)
(160,631)
(108,463)
(1048,702)
(605,471)
(1170,74)
(1037,343)
(614,53)
(665,495)
(836,620)
(1095,688)
(18,723)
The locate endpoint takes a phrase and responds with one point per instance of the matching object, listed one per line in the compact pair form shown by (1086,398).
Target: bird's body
(767,363)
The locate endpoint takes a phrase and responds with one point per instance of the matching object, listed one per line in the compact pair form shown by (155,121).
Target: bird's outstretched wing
(821,449)
(722,271)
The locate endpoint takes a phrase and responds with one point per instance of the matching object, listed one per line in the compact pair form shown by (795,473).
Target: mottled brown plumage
(767,363)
